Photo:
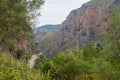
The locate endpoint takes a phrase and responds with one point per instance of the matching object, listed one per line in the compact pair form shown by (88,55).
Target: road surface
(32,59)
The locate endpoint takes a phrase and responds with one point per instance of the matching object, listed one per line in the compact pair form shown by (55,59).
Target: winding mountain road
(32,59)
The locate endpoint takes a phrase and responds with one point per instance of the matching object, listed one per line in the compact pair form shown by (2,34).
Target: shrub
(11,69)
(88,63)
(40,61)
(105,69)
(19,53)
(66,66)
(88,77)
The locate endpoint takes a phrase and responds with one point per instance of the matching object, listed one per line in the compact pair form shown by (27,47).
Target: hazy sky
(56,11)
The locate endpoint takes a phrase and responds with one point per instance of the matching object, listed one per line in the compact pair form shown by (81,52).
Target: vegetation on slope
(93,62)
(113,33)
(50,28)
(11,69)
(89,63)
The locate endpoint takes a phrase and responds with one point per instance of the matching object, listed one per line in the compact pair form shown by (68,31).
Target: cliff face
(85,25)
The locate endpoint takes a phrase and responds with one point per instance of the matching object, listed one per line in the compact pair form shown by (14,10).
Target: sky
(56,11)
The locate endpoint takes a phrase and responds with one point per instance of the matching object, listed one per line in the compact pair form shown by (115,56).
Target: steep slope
(83,26)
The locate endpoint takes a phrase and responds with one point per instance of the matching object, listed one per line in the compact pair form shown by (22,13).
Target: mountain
(83,26)
(45,30)
(50,27)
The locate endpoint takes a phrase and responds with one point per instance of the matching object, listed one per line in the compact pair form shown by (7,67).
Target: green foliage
(15,25)
(66,66)
(19,53)
(26,57)
(88,77)
(105,69)
(88,63)
(11,69)
(90,51)
(40,61)
(113,33)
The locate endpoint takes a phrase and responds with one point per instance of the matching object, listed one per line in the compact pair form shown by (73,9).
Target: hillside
(45,30)
(83,26)
(50,27)
(86,46)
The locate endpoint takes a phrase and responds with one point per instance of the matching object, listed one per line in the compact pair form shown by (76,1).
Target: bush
(88,63)
(11,69)
(19,53)
(66,66)
(88,77)
(40,61)
(105,69)
(90,51)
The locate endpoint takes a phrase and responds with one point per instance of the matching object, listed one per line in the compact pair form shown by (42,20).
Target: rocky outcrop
(85,25)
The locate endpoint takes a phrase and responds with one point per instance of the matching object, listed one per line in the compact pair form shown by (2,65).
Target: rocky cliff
(84,26)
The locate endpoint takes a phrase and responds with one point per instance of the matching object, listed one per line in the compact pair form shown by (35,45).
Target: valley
(84,46)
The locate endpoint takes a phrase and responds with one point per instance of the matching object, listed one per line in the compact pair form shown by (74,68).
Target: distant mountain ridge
(49,27)
(45,30)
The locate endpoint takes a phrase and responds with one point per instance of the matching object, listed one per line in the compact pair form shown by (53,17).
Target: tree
(15,22)
(113,33)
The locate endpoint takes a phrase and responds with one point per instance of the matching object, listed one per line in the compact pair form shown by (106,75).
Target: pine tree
(15,22)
